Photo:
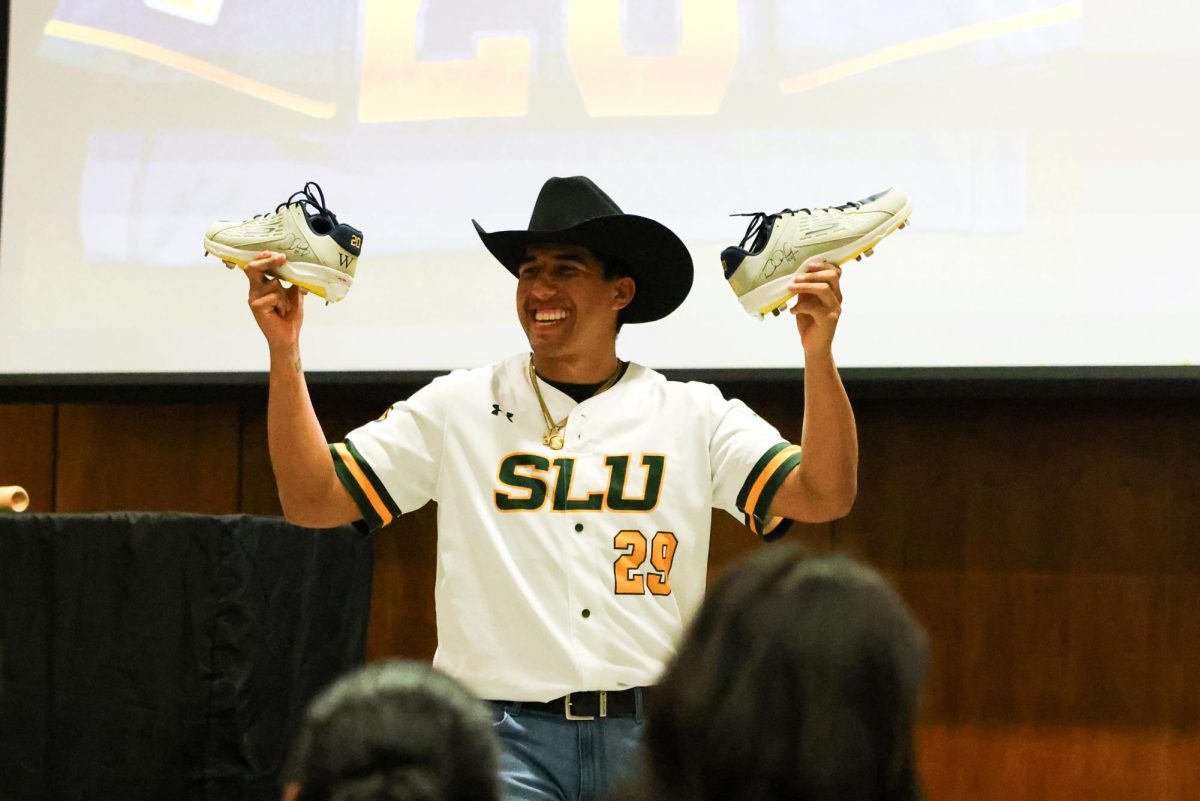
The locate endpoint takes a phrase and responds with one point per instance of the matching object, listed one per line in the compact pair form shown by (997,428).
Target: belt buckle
(603,708)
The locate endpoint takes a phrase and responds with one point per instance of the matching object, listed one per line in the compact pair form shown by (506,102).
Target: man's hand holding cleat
(278,310)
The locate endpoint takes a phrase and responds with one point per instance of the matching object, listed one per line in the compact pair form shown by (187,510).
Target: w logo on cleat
(344,260)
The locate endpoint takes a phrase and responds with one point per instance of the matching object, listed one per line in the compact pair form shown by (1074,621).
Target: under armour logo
(496,410)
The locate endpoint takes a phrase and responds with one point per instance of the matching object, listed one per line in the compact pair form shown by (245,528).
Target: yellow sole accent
(775,306)
(316,290)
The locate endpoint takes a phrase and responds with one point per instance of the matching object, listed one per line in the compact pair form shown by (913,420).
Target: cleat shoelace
(310,196)
(760,219)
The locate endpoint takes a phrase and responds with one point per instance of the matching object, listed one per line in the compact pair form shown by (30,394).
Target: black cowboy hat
(574,211)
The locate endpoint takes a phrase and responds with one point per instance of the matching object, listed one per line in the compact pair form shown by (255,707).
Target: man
(574,488)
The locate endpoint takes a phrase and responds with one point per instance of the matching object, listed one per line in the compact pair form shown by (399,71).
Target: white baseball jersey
(569,570)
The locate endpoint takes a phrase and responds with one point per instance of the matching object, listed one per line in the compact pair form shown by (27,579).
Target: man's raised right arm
(309,491)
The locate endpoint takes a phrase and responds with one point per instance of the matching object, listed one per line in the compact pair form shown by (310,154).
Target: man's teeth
(550,316)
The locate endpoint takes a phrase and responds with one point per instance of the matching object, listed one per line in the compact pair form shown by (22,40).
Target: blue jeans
(549,758)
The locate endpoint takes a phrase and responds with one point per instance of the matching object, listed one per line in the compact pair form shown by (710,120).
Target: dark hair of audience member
(396,731)
(798,679)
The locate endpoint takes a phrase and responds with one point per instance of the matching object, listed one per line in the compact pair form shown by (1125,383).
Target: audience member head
(395,731)
(798,679)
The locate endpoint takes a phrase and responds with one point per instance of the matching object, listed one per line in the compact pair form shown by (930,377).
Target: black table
(167,656)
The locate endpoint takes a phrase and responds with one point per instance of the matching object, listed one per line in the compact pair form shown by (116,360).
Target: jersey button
(578,527)
(587,613)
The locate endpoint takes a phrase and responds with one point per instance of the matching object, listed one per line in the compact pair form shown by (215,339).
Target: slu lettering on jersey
(528,475)
(527,479)
(761,485)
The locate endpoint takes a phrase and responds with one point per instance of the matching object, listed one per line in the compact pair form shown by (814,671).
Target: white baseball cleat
(321,252)
(790,240)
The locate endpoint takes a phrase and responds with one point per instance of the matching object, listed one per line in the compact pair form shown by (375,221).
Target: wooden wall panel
(27,451)
(899,484)
(957,487)
(1029,648)
(147,457)
(1024,648)
(257,492)
(402,610)
(1028,486)
(1178,674)
(1116,646)
(1015,763)
(936,600)
(1051,550)
(259,495)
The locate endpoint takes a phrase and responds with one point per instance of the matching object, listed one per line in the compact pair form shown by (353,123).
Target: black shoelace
(312,199)
(759,219)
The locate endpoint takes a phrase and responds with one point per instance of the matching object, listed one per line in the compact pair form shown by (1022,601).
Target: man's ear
(624,288)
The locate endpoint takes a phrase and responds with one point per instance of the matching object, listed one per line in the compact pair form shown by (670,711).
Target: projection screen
(1051,151)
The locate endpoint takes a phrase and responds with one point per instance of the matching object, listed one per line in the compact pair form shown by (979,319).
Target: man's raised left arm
(823,486)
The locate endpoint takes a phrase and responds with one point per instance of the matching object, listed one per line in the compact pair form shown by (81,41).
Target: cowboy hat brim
(652,255)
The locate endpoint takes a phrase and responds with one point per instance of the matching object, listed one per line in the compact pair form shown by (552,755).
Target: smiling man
(565,300)
(574,488)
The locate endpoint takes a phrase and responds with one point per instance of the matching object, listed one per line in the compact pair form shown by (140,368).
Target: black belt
(589,705)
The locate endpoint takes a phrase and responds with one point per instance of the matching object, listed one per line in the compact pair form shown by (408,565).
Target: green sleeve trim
(373,477)
(762,507)
(373,521)
(759,466)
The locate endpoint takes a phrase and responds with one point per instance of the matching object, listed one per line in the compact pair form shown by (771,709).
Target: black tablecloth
(163,656)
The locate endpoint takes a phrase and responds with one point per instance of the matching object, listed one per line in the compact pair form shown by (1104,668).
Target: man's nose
(544,285)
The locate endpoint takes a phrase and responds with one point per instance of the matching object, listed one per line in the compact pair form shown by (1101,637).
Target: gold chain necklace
(554,431)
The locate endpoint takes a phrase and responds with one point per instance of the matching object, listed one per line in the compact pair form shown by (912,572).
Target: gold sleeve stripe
(364,484)
(752,476)
(372,477)
(369,517)
(777,461)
